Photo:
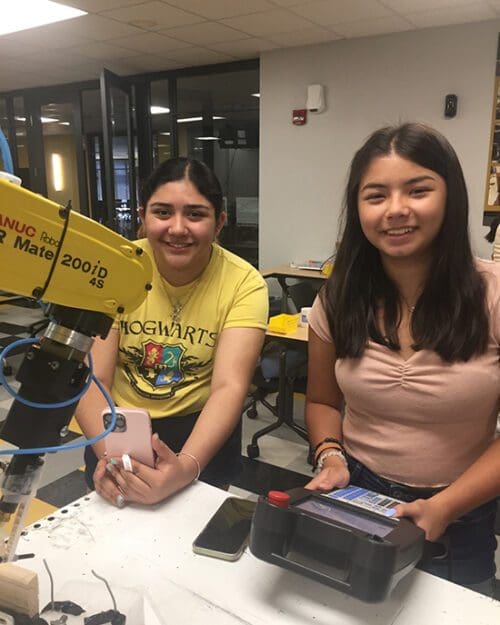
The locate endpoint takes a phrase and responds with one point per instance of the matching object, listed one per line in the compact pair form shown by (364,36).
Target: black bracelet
(328,439)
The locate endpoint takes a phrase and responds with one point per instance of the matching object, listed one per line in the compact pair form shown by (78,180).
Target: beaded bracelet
(336,447)
(198,468)
(327,453)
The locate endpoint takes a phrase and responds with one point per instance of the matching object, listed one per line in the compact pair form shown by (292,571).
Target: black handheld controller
(346,539)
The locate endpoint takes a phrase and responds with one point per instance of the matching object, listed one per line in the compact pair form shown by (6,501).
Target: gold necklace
(176,304)
(411,309)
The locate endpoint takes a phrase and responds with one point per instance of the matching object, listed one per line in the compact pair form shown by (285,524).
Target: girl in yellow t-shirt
(187,354)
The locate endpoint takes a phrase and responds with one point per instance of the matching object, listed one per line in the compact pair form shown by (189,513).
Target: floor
(282,463)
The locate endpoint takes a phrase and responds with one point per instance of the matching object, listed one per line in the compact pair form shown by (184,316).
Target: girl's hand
(429,514)
(333,475)
(146,485)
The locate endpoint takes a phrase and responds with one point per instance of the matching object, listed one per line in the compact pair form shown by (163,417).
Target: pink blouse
(421,421)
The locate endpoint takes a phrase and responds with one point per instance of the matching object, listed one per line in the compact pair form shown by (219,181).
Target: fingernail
(120,501)
(155,436)
(109,467)
(113,461)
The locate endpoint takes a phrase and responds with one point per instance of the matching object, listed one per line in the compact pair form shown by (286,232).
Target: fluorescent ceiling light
(165,133)
(44,120)
(183,120)
(207,138)
(57,172)
(25,14)
(255,95)
(64,123)
(159,110)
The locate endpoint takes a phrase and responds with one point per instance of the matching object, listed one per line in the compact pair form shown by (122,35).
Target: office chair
(275,358)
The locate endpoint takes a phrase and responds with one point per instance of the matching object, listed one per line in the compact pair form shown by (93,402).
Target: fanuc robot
(87,274)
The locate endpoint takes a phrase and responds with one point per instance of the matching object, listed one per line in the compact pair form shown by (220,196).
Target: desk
(150,551)
(286,271)
(284,404)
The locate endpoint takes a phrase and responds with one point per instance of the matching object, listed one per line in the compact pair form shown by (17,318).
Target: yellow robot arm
(64,258)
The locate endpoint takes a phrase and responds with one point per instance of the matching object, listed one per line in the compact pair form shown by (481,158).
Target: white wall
(369,82)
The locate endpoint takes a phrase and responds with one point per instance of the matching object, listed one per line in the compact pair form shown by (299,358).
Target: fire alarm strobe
(299,117)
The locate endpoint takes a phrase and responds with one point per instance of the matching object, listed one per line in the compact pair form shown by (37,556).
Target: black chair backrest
(302,294)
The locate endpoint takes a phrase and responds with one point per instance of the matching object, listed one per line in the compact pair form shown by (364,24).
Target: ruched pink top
(421,421)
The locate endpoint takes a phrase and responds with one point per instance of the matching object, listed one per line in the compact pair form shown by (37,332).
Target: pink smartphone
(131,435)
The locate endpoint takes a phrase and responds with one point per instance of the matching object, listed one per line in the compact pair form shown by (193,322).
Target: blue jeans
(465,554)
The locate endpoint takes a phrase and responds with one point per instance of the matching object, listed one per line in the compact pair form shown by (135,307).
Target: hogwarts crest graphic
(158,371)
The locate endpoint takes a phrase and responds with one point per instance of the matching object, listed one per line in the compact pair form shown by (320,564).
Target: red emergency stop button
(278,498)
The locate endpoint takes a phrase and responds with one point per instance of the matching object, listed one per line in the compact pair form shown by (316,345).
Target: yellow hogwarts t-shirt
(166,359)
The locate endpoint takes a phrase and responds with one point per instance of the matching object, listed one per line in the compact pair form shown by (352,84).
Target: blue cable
(6,154)
(27,402)
(45,450)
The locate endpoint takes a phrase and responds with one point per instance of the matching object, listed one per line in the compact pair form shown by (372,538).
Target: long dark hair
(450,315)
(174,169)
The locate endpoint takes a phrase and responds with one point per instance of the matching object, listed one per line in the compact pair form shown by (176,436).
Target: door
(118,160)
(56,160)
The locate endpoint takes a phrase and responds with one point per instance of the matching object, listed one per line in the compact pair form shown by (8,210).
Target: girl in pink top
(406,335)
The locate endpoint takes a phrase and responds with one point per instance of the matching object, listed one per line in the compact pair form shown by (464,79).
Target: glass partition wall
(93,143)
(218,123)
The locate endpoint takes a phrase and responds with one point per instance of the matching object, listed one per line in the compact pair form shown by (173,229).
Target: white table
(150,550)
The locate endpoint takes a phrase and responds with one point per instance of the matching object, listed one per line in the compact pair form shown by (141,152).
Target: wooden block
(18,589)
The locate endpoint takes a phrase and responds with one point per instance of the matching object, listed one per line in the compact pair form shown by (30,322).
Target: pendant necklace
(411,309)
(177,304)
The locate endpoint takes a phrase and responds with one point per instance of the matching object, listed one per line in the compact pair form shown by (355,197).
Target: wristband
(327,453)
(328,439)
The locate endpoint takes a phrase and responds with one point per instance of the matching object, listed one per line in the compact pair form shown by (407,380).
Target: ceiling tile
(100,5)
(410,6)
(10,81)
(289,3)
(98,28)
(380,26)
(455,15)
(268,22)
(90,65)
(50,58)
(495,5)
(53,36)
(150,63)
(199,56)
(207,32)
(10,48)
(153,16)
(245,48)
(150,43)
(218,9)
(337,11)
(305,37)
(70,74)
(103,51)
